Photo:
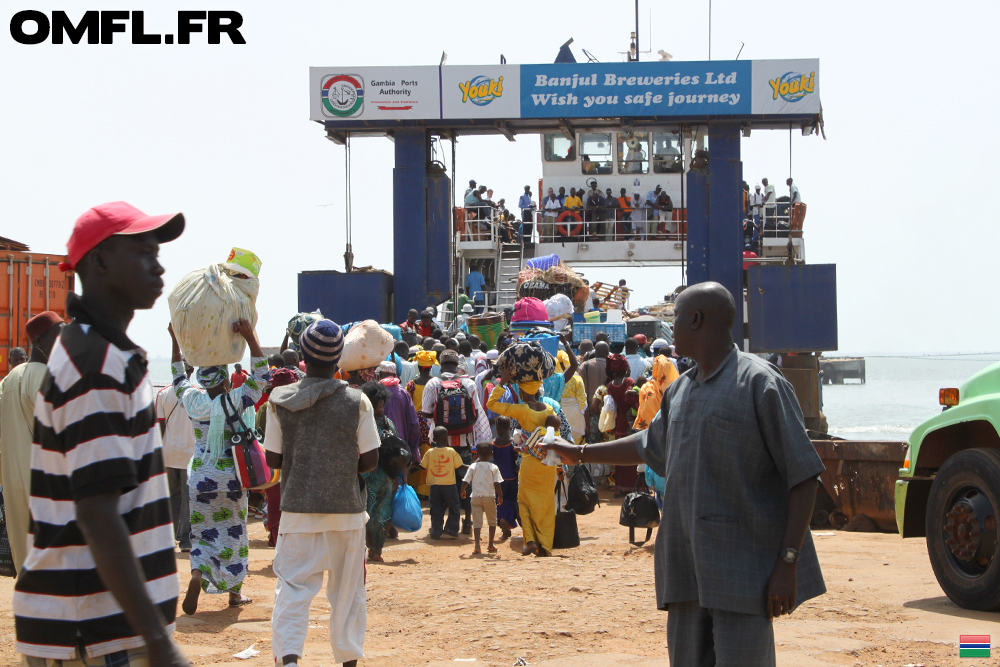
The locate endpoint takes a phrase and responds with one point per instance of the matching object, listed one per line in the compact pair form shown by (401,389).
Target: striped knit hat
(322,343)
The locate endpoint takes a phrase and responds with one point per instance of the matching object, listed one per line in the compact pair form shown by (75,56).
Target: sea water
(900,393)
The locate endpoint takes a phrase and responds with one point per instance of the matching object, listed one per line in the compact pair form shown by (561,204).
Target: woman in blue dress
(218,502)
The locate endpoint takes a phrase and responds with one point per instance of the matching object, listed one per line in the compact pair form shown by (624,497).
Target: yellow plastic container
(592,316)
(243,261)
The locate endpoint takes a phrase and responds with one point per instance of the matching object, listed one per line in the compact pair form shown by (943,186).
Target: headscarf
(562,361)
(651,394)
(616,363)
(387,367)
(526,363)
(426,358)
(212,376)
(367,375)
(530,387)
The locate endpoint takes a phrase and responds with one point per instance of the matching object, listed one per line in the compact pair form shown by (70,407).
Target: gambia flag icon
(974,646)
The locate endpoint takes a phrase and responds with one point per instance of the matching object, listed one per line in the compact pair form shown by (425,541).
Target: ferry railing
(482,224)
(598,224)
(777,221)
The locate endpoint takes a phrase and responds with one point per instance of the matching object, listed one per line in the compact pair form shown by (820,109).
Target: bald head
(703,321)
(291,358)
(601,350)
(715,303)
(586,345)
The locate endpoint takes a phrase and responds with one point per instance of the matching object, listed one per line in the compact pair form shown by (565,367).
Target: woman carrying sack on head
(218,502)
(528,365)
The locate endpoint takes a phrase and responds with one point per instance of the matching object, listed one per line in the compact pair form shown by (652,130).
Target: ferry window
(632,156)
(595,153)
(558,148)
(667,153)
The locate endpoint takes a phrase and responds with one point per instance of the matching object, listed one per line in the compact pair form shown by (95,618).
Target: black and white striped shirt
(95,431)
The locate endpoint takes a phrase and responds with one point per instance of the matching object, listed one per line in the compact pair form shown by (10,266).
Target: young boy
(484,478)
(505,458)
(441,462)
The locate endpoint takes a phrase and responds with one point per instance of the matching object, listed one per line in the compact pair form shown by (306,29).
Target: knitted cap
(322,343)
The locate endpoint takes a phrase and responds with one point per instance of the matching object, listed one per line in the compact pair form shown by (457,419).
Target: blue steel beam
(409,221)
(725,193)
(715,234)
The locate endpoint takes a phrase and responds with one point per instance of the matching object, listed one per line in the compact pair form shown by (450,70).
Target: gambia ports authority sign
(374,93)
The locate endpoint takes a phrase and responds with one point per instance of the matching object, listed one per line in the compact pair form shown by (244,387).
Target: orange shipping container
(30,283)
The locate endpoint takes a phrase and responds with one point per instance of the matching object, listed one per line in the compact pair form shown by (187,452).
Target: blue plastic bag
(406,513)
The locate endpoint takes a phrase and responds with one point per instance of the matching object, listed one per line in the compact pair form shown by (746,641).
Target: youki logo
(481,90)
(792,86)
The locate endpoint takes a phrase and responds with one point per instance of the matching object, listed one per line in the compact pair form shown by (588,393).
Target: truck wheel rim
(970,531)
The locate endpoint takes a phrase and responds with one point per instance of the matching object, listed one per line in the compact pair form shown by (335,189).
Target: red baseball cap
(640,338)
(113,218)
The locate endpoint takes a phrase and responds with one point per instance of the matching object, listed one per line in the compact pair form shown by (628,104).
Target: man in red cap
(99,500)
(17,413)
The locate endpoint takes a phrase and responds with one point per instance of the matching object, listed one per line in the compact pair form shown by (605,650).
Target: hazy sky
(898,194)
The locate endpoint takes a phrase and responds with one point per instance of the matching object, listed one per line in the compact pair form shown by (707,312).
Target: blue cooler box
(549,343)
(587,331)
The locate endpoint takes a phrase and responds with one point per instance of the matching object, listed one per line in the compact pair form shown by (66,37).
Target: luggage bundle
(204,305)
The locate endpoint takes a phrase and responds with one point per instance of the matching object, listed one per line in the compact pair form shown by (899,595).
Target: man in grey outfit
(322,435)
(733,548)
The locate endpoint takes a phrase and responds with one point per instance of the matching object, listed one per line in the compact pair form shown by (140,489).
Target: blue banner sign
(718,88)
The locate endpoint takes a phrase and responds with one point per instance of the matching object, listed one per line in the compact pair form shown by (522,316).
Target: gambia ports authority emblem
(343,95)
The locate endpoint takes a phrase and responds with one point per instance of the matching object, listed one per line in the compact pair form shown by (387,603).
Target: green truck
(949,490)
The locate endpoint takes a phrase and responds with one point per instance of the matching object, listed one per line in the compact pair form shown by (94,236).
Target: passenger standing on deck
(552,206)
(475,284)
(733,549)
(794,196)
(322,435)
(98,483)
(770,202)
(757,209)
(638,216)
(595,214)
(527,214)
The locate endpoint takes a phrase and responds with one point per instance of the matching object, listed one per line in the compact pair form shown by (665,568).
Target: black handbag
(639,510)
(567,536)
(582,495)
(6,556)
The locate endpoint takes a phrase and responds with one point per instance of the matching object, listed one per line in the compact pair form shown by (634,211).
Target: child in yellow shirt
(441,462)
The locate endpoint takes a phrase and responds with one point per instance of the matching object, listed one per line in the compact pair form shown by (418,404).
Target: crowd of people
(104,479)
(588,213)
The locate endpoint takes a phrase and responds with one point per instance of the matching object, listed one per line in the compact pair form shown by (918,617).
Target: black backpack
(582,495)
(455,409)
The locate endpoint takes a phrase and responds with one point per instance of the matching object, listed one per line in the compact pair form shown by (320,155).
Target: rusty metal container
(860,478)
(30,283)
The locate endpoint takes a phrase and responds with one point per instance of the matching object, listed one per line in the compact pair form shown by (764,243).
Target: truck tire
(961,522)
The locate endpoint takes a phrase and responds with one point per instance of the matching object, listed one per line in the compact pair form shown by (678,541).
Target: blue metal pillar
(409,221)
(715,233)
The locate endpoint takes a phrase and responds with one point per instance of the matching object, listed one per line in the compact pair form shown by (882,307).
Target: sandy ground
(433,603)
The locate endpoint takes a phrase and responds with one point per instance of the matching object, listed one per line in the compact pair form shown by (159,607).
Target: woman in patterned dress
(218,502)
